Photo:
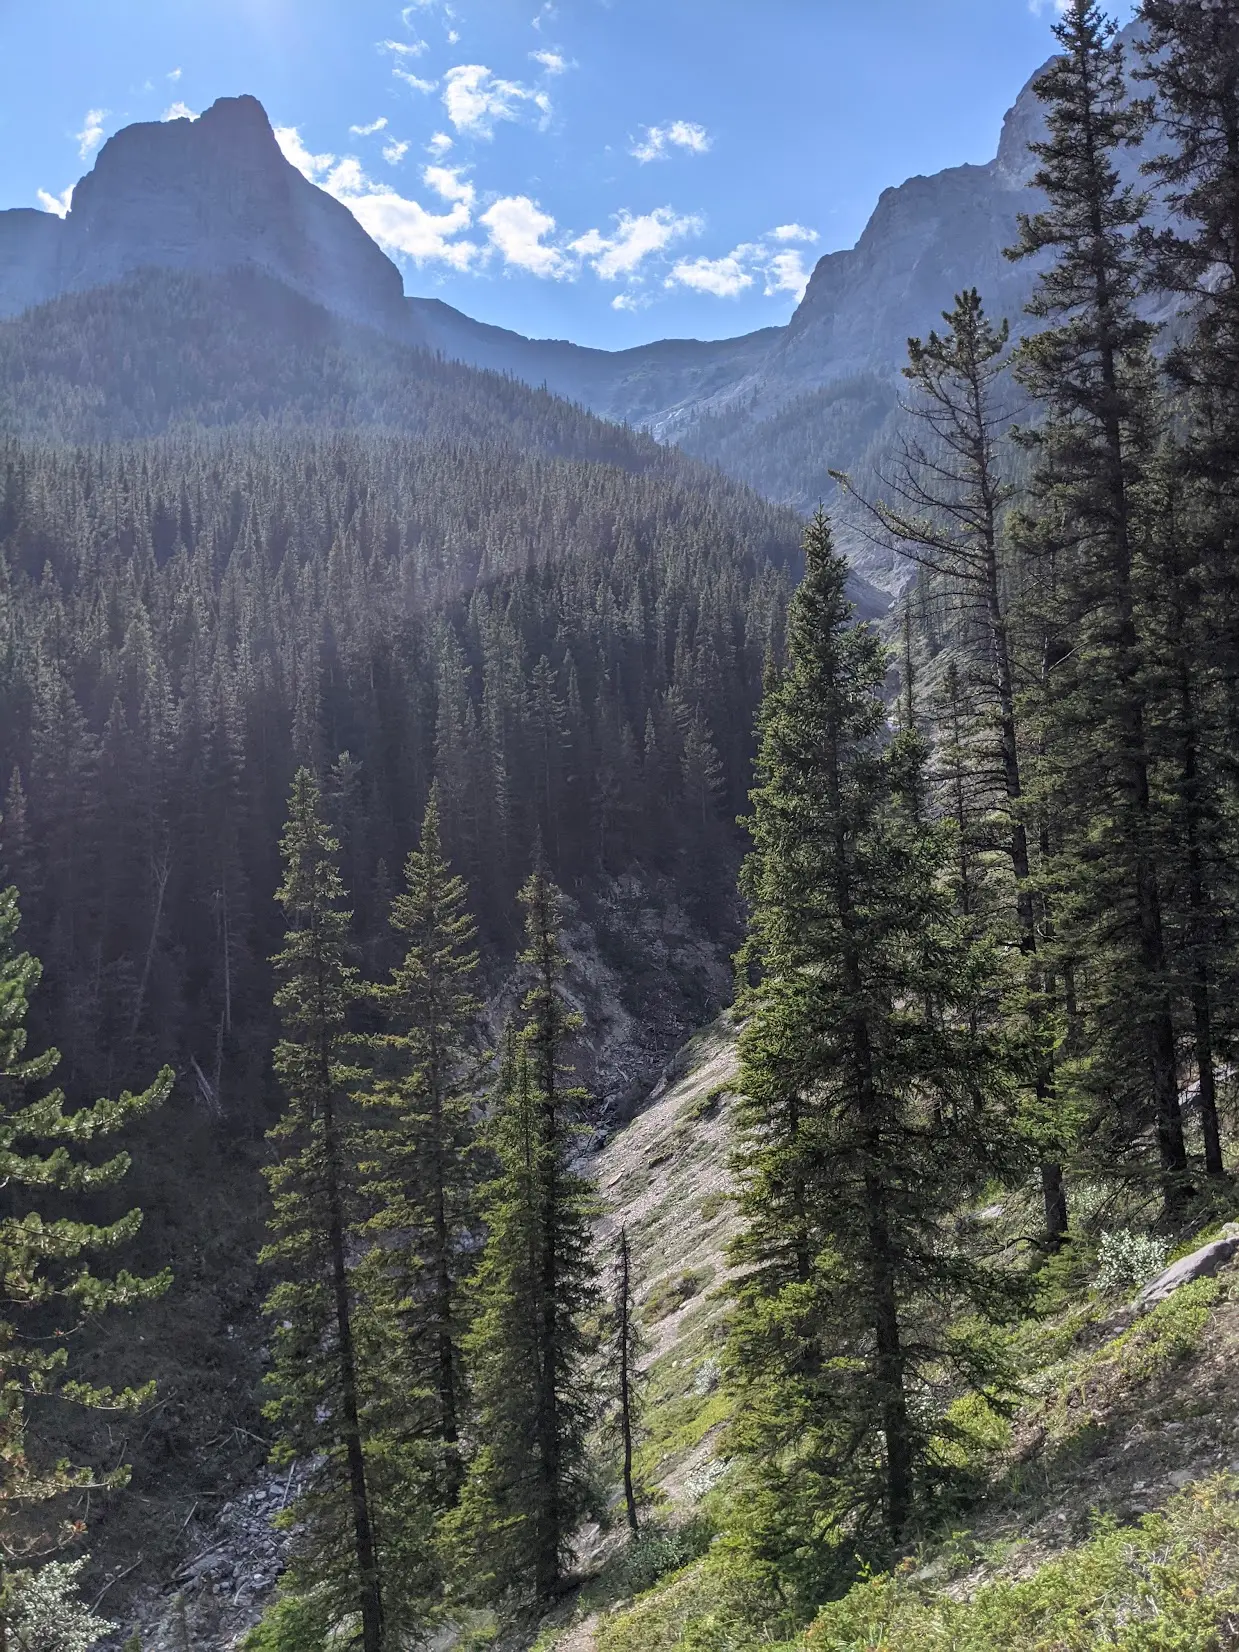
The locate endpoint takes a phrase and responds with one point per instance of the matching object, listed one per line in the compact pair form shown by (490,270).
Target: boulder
(1201,1264)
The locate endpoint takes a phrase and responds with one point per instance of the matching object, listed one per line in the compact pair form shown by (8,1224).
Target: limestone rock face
(205,195)
(30,244)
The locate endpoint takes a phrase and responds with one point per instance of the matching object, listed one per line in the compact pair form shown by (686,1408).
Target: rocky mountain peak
(206,195)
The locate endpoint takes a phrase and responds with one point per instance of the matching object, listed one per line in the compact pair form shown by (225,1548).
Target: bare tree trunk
(624,1300)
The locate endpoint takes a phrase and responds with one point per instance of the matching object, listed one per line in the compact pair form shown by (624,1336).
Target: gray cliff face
(205,195)
(29,252)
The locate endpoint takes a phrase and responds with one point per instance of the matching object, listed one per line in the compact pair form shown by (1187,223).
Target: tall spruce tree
(1191,59)
(322,1408)
(943,506)
(1093,529)
(535,1287)
(46,1250)
(879,1092)
(420,1154)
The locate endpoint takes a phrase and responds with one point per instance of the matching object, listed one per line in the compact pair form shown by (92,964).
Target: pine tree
(1091,369)
(321,1404)
(1191,59)
(420,1153)
(49,1291)
(943,506)
(535,1286)
(867,1118)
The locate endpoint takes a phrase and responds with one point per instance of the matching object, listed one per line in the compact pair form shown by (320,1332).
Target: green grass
(1169,1584)
(669,1294)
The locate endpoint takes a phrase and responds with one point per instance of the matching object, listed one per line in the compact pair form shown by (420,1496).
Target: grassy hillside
(1104,1512)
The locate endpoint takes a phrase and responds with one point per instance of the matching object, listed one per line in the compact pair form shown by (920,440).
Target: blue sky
(604,170)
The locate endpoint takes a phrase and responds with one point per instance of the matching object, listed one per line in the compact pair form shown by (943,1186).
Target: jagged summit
(208,195)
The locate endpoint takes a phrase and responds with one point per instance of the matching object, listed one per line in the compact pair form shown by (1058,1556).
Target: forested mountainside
(348,554)
(372,731)
(778,409)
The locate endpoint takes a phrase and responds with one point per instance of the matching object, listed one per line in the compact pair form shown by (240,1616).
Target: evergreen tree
(49,1291)
(420,1154)
(1093,527)
(1191,58)
(321,1406)
(943,506)
(878,1097)
(535,1286)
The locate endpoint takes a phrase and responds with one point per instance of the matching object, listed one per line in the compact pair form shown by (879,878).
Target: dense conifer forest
(337,683)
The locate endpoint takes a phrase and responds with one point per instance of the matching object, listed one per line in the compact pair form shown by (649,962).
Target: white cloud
(397,223)
(786,273)
(475,99)
(368,131)
(174,74)
(296,153)
(544,15)
(553,62)
(179,111)
(403,225)
(403,48)
(395,151)
(634,240)
(630,301)
(447,182)
(779,268)
(680,134)
(406,16)
(59,204)
(518,228)
(723,277)
(792,232)
(91,135)
(439,145)
(415,82)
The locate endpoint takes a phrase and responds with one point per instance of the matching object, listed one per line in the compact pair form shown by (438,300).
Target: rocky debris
(221,1590)
(1201,1264)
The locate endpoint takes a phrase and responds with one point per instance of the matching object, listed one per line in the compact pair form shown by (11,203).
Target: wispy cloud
(59,204)
(476,99)
(634,239)
(770,261)
(91,135)
(723,277)
(659,141)
(553,62)
(439,145)
(295,152)
(174,74)
(179,111)
(448,182)
(518,229)
(395,151)
(414,82)
(403,48)
(368,131)
(396,222)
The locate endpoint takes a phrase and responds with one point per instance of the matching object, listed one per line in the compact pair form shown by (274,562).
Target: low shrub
(1127,1260)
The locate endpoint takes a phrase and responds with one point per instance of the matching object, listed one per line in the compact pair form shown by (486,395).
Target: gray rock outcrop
(1203,1263)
